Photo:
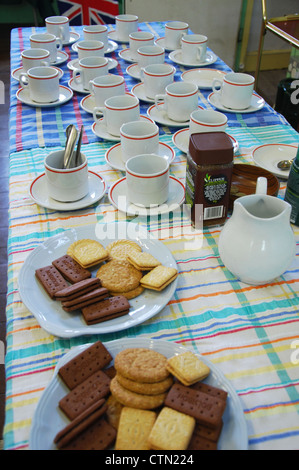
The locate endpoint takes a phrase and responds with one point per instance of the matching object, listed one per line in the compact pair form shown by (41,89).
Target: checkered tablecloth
(250,333)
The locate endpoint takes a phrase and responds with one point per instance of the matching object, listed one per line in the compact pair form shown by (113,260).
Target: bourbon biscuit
(51,280)
(135,400)
(86,299)
(99,436)
(107,309)
(141,364)
(119,249)
(145,388)
(159,278)
(84,364)
(70,269)
(119,276)
(80,288)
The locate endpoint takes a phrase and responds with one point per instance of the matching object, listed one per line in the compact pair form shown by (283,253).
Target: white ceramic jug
(257,243)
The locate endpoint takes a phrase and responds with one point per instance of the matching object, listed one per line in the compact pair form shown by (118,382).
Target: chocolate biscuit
(86,299)
(206,409)
(112,307)
(70,269)
(78,369)
(80,398)
(213,391)
(51,280)
(99,436)
(80,288)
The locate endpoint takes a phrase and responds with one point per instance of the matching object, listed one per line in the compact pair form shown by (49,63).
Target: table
(249,333)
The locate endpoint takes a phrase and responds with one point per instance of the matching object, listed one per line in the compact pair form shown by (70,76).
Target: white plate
(73,38)
(158,114)
(267,156)
(114,159)
(48,421)
(65,94)
(88,103)
(176,56)
(118,197)
(181,140)
(134,71)
(74,64)
(113,36)
(138,91)
(202,78)
(49,313)
(100,130)
(257,103)
(16,73)
(62,57)
(126,55)
(38,192)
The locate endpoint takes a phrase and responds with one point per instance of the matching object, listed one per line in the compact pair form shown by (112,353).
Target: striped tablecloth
(250,333)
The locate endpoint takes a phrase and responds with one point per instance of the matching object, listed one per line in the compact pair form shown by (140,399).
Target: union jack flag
(87,12)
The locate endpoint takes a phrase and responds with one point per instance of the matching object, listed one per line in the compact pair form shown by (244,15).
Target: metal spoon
(78,151)
(284,164)
(70,145)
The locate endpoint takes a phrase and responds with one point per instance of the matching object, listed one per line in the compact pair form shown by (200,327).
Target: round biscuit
(135,400)
(119,249)
(145,388)
(131,294)
(119,276)
(141,364)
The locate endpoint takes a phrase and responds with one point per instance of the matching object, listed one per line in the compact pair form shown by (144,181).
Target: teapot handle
(261,185)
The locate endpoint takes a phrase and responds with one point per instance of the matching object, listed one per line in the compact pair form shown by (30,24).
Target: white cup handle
(23,79)
(160,98)
(91,87)
(76,74)
(58,44)
(261,185)
(61,35)
(45,63)
(97,110)
(216,82)
(141,74)
(200,52)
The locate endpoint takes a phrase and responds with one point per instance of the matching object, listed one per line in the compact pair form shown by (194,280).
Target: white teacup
(43,84)
(174,31)
(118,110)
(147,180)
(35,58)
(96,32)
(207,120)
(194,48)
(125,25)
(105,86)
(139,39)
(150,55)
(90,67)
(65,185)
(46,41)
(235,91)
(138,137)
(59,26)
(180,99)
(90,48)
(156,77)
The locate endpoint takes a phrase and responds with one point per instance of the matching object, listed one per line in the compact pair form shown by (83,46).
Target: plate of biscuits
(97,279)
(138,397)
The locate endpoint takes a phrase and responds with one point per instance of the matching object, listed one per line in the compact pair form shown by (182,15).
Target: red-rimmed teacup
(117,110)
(174,31)
(89,68)
(106,86)
(235,91)
(138,137)
(156,77)
(46,41)
(150,55)
(90,48)
(125,25)
(42,82)
(194,48)
(139,39)
(59,26)
(96,32)
(207,120)
(147,180)
(180,100)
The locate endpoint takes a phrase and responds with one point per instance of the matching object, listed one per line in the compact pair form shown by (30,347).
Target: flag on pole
(87,12)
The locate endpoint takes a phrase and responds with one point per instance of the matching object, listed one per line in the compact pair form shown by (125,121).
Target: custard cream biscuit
(141,365)
(142,260)
(159,277)
(172,430)
(187,368)
(135,400)
(145,388)
(119,249)
(114,408)
(119,276)
(134,429)
(87,252)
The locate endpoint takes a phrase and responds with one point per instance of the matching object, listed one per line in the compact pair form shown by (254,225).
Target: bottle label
(215,188)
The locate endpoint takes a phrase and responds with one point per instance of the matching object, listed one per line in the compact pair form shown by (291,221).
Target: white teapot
(257,243)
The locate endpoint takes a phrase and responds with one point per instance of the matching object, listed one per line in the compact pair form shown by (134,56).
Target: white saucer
(118,197)
(65,94)
(176,56)
(159,115)
(257,103)
(78,87)
(161,42)
(62,57)
(125,54)
(134,71)
(88,103)
(100,130)
(113,35)
(181,140)
(114,159)
(267,156)
(202,78)
(138,91)
(111,47)
(73,38)
(16,73)
(38,192)
(74,64)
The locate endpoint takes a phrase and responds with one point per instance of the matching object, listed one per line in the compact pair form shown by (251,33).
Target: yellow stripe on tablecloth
(39,128)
